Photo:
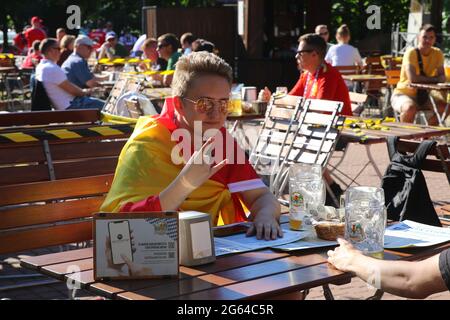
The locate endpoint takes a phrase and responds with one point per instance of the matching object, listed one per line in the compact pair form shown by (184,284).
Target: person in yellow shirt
(405,99)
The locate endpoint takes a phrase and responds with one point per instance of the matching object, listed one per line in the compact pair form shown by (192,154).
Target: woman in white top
(343,54)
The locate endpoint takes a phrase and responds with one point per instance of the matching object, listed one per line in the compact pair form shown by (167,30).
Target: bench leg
(377,296)
(327,293)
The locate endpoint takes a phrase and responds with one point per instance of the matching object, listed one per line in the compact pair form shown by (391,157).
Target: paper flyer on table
(241,243)
(304,244)
(412,234)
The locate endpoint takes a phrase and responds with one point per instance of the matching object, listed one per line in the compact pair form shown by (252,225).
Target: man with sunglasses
(322,30)
(76,66)
(168,45)
(63,94)
(167,166)
(318,80)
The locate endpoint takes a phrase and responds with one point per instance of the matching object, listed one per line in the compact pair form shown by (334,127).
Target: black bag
(422,95)
(405,188)
(39,98)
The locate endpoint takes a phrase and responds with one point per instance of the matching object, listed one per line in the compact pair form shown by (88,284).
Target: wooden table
(369,136)
(441,87)
(402,130)
(363,77)
(262,274)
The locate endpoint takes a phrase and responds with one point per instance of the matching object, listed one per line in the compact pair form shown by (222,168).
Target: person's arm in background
(416,280)
(328,58)
(358,59)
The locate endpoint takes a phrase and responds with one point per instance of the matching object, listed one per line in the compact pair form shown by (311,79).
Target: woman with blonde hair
(66,45)
(342,53)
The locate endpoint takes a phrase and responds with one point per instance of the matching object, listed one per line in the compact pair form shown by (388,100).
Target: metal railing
(402,41)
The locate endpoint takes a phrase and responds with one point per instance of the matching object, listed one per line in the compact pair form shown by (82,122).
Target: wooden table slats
(251,275)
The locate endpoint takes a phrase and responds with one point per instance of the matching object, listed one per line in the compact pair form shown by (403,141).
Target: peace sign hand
(199,167)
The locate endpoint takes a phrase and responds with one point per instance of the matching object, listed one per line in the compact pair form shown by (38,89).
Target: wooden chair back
(358,100)
(393,77)
(346,70)
(373,65)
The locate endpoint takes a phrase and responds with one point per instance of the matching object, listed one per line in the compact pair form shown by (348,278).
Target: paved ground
(354,161)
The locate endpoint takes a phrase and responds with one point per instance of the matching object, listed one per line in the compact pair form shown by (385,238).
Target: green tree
(353,13)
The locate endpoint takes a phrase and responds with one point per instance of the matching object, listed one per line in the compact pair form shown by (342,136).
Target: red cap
(36,19)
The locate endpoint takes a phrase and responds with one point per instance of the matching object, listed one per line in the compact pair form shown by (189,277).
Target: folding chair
(134,108)
(124,84)
(314,140)
(281,122)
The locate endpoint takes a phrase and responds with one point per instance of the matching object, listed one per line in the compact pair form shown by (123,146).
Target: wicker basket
(329,230)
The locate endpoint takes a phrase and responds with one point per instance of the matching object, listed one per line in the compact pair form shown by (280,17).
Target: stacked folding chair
(281,122)
(315,138)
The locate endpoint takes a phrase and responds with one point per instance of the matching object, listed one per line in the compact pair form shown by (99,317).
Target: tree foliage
(353,13)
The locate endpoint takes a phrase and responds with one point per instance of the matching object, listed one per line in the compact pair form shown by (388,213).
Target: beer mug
(365,219)
(307,193)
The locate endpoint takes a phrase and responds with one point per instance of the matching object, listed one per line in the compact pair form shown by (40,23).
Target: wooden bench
(51,188)
(17,120)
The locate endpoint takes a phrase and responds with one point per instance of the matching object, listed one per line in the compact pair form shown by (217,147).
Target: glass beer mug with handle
(307,192)
(365,219)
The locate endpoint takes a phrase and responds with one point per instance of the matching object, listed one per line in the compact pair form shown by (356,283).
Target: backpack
(405,188)
(39,98)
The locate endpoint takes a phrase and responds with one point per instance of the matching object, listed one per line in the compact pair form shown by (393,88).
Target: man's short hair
(170,39)
(320,26)
(149,42)
(187,37)
(60,30)
(315,42)
(47,44)
(197,64)
(203,45)
(428,28)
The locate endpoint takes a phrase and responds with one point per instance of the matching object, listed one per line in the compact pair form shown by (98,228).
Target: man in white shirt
(63,94)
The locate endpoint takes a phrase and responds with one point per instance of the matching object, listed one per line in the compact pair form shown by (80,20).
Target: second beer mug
(307,192)
(365,219)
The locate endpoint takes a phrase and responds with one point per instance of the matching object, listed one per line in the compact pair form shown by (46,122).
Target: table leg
(328,294)
(372,161)
(436,111)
